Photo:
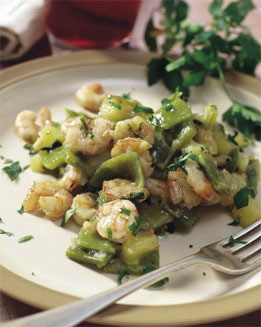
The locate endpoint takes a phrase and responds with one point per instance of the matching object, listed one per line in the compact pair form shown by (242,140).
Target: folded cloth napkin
(21,25)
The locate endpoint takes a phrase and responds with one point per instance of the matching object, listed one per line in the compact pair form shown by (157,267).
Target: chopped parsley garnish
(30,148)
(169,107)
(234,241)
(93,218)
(125,211)
(115,104)
(93,196)
(180,161)
(166,101)
(33,274)
(13,170)
(241,198)
(6,233)
(139,109)
(68,215)
(92,136)
(134,133)
(123,274)
(8,161)
(135,196)
(21,210)
(25,238)
(1,220)
(135,226)
(126,96)
(235,222)
(109,233)
(83,121)
(161,282)
(26,167)
(154,121)
(71,113)
(2,157)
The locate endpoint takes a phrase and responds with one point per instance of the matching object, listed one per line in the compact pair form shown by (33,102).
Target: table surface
(11,308)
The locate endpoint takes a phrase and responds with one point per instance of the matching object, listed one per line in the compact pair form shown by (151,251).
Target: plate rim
(218,308)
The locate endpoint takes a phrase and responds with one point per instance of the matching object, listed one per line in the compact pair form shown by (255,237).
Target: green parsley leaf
(241,198)
(30,148)
(235,222)
(83,121)
(26,167)
(125,211)
(115,105)
(93,218)
(21,210)
(215,8)
(245,118)
(141,109)
(149,37)
(169,107)
(93,196)
(237,11)
(134,133)
(8,161)
(135,226)
(68,215)
(122,274)
(33,274)
(135,196)
(127,96)
(109,233)
(180,161)
(234,241)
(2,157)
(25,238)
(1,220)
(159,283)
(6,233)
(13,170)
(196,78)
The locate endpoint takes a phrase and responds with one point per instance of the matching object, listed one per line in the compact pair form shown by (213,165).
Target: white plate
(45,254)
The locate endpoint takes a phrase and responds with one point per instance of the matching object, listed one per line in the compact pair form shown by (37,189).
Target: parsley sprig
(206,50)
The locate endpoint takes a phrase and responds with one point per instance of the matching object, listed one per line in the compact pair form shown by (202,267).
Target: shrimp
(137,145)
(90,96)
(90,226)
(135,126)
(198,181)
(72,178)
(180,190)
(158,188)
(26,127)
(50,197)
(85,206)
(114,219)
(45,116)
(123,188)
(90,137)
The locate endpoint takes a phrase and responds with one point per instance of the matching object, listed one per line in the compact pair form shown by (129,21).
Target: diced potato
(116,108)
(36,164)
(135,248)
(224,145)
(249,214)
(236,182)
(49,136)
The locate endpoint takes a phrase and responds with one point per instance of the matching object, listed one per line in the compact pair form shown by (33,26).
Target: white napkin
(21,25)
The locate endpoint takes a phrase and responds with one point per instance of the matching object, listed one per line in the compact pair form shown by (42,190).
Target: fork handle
(72,313)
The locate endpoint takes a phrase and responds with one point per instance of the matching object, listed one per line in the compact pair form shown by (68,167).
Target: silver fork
(234,259)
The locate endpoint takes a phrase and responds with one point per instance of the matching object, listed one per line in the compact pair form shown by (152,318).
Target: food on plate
(131,173)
